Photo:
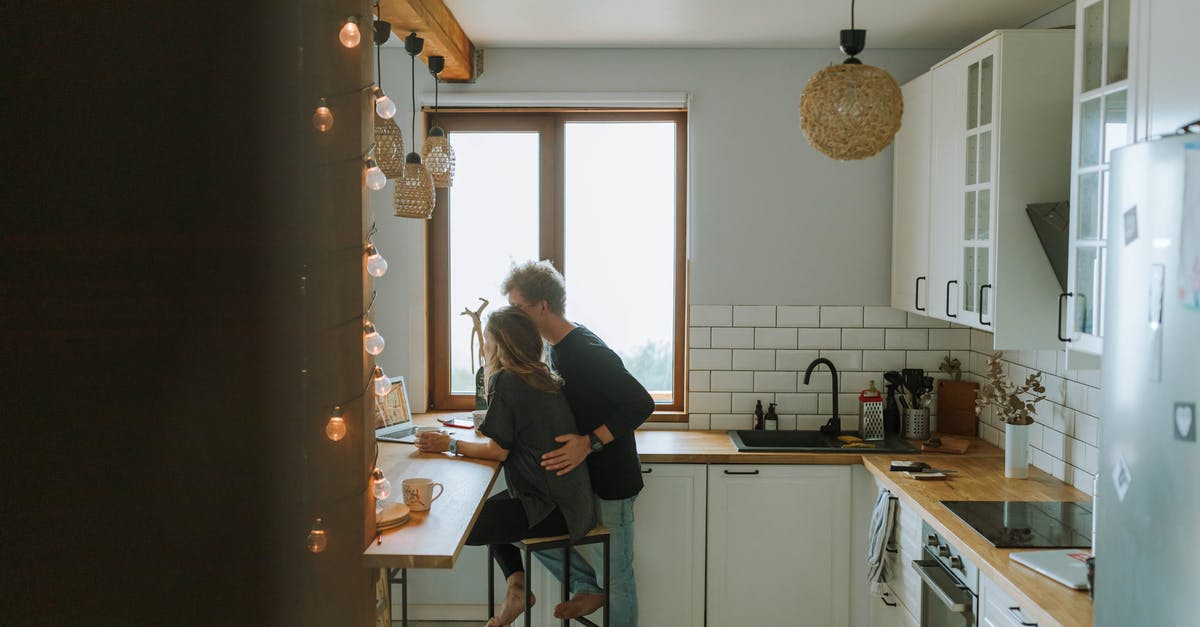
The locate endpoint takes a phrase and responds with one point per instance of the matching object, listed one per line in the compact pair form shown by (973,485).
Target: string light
(372,340)
(376,264)
(335,429)
(384,107)
(317,540)
(382,384)
(380,486)
(350,36)
(374,176)
(322,118)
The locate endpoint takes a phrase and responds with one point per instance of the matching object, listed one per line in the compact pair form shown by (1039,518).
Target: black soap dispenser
(771,421)
(758,417)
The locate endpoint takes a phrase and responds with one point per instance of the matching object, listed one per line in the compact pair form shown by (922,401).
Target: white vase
(1016,451)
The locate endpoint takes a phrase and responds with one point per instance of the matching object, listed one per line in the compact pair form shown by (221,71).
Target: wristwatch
(453,446)
(597,445)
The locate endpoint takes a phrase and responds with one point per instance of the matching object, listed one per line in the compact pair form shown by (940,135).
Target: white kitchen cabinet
(889,611)
(1001,128)
(997,609)
(777,545)
(910,199)
(1165,74)
(669,544)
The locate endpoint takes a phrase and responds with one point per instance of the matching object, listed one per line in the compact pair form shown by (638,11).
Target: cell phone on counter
(458,423)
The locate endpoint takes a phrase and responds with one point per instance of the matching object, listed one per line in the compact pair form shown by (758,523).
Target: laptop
(1066,566)
(392,412)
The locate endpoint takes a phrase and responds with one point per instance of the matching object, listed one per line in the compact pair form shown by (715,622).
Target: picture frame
(393,407)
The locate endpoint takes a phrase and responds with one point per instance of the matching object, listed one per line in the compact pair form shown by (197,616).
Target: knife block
(956,407)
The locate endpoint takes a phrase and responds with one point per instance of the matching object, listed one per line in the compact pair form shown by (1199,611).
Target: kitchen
(792,256)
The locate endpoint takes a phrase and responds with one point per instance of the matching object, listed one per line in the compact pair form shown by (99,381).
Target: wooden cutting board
(950,444)
(956,407)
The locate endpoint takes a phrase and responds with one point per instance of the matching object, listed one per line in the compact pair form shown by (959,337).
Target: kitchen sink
(812,441)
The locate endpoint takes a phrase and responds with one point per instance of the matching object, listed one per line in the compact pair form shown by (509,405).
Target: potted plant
(1016,405)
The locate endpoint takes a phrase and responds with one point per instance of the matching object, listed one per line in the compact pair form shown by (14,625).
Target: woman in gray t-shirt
(526,410)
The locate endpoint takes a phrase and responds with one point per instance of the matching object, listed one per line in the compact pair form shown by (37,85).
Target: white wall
(771,220)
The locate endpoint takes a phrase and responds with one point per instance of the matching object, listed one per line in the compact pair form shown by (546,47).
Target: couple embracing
(564,432)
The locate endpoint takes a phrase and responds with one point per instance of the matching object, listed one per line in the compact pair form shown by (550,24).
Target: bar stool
(529,546)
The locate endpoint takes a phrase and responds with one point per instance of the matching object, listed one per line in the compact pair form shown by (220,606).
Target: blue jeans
(586,560)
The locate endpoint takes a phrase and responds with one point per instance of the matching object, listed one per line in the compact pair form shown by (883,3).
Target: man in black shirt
(608,404)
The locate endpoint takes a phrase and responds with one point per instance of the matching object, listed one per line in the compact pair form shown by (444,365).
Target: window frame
(549,124)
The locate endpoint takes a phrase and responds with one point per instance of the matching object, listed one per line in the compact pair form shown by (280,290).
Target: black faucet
(834,426)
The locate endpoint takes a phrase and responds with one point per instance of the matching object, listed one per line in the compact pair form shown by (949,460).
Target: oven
(949,584)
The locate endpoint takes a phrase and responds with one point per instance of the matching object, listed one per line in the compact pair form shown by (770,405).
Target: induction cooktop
(1028,524)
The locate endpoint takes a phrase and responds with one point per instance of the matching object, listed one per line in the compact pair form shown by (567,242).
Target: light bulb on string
(384,107)
(374,176)
(322,118)
(335,429)
(372,341)
(382,384)
(380,486)
(350,36)
(376,264)
(317,540)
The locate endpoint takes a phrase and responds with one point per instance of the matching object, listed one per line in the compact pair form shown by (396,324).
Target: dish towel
(883,519)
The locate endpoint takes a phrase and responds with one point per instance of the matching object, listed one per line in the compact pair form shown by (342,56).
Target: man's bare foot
(581,604)
(514,602)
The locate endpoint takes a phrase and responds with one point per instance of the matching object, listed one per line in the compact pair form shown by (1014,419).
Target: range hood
(1051,221)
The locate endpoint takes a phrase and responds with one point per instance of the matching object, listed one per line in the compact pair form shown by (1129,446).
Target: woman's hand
(433,442)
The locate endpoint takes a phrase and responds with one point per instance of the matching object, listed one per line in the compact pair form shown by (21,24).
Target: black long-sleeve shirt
(602,392)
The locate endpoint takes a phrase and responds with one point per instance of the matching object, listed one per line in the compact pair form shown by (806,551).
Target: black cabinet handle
(891,550)
(741,472)
(1062,298)
(646,471)
(1017,616)
(917,294)
(948,283)
(883,597)
(979,303)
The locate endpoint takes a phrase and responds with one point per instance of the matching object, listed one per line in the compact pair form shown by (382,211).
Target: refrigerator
(1147,503)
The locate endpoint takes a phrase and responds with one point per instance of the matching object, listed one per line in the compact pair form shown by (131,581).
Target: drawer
(997,609)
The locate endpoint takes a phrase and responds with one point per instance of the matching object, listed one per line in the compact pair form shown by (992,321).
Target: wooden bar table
(431,539)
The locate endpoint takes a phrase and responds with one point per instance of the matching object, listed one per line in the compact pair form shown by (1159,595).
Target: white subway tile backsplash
(847,403)
(710,359)
(949,339)
(727,422)
(709,402)
(910,339)
(723,381)
(789,316)
(1077,395)
(733,338)
(698,381)
(884,317)
(844,360)
(774,382)
(744,402)
(982,341)
(795,360)
(818,338)
(883,361)
(753,315)
(1054,442)
(1087,428)
(797,403)
(855,382)
(754,359)
(711,316)
(698,422)
(841,316)
(775,338)
(699,337)
(1047,361)
(862,338)
(921,322)
(925,360)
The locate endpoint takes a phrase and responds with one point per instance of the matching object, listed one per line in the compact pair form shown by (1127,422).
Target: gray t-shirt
(525,421)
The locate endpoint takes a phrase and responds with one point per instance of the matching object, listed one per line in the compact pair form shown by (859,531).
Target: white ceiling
(736,23)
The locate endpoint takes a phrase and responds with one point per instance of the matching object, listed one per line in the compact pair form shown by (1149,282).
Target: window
(602,195)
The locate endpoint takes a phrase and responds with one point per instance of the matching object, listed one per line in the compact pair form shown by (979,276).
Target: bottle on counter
(758,417)
(771,420)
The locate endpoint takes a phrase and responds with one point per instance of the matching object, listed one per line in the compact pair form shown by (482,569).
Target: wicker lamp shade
(851,111)
(389,147)
(413,194)
(438,156)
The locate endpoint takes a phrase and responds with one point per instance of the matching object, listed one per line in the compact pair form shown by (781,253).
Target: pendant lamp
(413,195)
(437,151)
(389,142)
(851,111)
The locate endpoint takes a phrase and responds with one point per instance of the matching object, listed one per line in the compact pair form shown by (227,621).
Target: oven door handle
(943,586)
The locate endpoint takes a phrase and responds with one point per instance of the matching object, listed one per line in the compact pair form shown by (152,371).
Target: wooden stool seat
(596,531)
(529,546)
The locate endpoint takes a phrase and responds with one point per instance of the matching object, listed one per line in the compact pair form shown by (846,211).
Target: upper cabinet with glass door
(1101,124)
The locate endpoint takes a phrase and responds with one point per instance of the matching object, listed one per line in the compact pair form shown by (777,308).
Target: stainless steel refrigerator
(1148,498)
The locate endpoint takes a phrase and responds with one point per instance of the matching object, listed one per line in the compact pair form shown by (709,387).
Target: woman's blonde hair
(514,345)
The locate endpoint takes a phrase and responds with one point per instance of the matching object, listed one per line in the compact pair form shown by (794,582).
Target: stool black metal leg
(607,580)
(566,579)
(491,584)
(404,597)
(528,588)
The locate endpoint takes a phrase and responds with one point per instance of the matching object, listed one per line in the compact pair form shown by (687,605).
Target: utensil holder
(870,419)
(916,423)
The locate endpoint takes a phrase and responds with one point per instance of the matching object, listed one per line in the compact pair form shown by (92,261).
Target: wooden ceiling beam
(443,36)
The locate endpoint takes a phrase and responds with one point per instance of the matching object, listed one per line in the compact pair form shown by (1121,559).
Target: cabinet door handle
(891,550)
(1016,614)
(883,597)
(917,294)
(646,471)
(1062,298)
(741,472)
(979,303)
(948,283)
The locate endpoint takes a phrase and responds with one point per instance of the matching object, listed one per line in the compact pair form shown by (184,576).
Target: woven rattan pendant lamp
(389,143)
(851,111)
(437,151)
(413,195)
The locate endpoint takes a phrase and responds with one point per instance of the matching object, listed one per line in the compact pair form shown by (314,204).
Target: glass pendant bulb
(335,429)
(384,107)
(322,118)
(350,36)
(317,540)
(382,384)
(376,264)
(372,340)
(374,176)
(380,486)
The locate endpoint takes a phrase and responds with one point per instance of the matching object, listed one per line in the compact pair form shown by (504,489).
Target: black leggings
(502,521)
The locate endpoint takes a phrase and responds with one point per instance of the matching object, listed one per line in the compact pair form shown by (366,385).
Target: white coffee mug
(418,493)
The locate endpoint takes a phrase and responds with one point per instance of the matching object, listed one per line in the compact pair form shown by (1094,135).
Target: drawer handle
(980,304)
(1016,614)
(948,284)
(884,597)
(1062,298)
(646,471)
(917,294)
(741,472)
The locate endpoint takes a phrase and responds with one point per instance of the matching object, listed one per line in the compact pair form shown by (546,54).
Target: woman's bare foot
(514,602)
(581,604)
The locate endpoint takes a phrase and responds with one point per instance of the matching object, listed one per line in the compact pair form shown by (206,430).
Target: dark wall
(162,194)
